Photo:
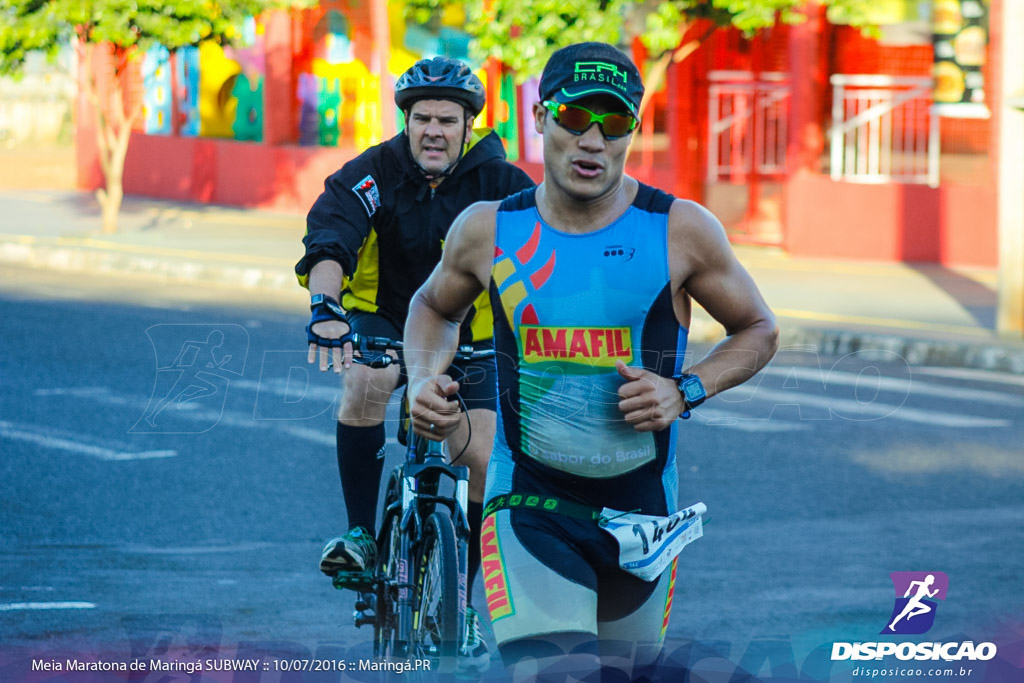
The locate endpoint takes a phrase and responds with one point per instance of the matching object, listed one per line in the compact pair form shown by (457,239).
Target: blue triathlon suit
(566,308)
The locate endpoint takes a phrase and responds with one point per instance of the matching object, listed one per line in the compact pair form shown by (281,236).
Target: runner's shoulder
(693,224)
(472,233)
(477,218)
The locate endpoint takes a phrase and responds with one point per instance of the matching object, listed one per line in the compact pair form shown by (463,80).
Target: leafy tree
(522,34)
(122,29)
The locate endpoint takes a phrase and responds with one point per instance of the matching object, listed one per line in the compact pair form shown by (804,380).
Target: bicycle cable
(386,360)
(469,429)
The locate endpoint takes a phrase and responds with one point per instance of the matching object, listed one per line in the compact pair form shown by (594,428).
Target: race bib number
(648,544)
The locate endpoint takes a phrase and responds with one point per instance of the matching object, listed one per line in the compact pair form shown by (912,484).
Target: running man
(914,606)
(591,276)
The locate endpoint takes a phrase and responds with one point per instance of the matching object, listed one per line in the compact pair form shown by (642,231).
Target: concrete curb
(981,354)
(52,256)
(910,346)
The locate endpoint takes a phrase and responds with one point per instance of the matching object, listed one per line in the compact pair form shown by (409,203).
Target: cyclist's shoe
(473,658)
(356,551)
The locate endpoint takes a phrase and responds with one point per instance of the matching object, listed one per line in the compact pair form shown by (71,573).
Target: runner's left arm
(703,266)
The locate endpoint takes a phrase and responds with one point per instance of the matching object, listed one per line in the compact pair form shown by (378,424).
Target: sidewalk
(927,314)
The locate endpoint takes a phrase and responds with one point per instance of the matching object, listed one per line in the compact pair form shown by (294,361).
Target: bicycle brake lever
(382,362)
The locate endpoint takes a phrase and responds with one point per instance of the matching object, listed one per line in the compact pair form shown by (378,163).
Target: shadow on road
(976,298)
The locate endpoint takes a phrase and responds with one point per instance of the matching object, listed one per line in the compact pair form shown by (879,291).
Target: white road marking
(197,550)
(910,458)
(716,417)
(23,433)
(80,392)
(323,436)
(849,409)
(824,378)
(279,387)
(18,606)
(979,375)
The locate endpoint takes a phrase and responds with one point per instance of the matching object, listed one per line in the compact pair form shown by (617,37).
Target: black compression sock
(361,463)
(475,512)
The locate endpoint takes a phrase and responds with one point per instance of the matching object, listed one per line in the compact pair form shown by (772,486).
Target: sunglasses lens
(578,120)
(574,119)
(617,125)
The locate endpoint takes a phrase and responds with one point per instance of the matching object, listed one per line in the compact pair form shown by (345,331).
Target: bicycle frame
(422,474)
(420,479)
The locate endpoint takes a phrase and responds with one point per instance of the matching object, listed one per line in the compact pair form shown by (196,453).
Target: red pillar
(1007,105)
(279,123)
(686,119)
(808,73)
(754,209)
(380,30)
(87,155)
(806,137)
(492,90)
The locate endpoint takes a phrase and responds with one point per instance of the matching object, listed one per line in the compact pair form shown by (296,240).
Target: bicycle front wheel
(437,586)
(390,582)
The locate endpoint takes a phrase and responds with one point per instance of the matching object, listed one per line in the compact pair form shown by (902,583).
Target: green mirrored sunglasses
(577,120)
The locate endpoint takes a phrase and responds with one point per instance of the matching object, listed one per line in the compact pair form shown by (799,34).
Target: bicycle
(416,595)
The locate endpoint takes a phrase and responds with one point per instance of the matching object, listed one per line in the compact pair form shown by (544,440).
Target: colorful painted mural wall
(263,123)
(215,92)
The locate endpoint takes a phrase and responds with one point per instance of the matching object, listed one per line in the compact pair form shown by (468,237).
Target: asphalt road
(138,527)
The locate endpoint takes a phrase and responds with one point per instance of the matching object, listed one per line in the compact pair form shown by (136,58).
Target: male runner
(591,276)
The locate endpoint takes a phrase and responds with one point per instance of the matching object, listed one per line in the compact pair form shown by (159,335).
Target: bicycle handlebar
(364,343)
(463,353)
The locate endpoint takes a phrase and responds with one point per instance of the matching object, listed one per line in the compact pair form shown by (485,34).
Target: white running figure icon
(914,606)
(197,361)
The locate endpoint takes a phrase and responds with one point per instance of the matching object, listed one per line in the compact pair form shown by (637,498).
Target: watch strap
(693,392)
(324,307)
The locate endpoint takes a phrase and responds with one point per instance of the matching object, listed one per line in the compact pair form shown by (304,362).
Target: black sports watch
(329,301)
(693,392)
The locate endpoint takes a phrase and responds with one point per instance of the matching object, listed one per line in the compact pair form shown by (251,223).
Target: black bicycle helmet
(440,78)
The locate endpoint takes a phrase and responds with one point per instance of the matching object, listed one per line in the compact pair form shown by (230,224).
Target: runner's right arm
(435,313)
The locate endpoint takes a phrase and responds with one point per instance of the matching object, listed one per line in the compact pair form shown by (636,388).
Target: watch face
(693,390)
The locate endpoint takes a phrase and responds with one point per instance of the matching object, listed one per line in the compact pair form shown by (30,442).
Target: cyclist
(591,276)
(373,237)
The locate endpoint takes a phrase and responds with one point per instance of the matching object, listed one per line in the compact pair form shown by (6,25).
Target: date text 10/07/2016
(192,666)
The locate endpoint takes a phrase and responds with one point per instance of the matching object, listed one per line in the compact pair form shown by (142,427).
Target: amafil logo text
(913,613)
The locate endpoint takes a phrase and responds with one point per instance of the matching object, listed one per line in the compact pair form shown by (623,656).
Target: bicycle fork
(462,535)
(406,625)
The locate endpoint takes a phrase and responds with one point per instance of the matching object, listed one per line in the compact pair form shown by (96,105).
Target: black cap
(586,69)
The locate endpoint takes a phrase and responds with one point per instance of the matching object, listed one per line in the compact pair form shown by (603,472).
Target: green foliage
(855,13)
(45,25)
(424,11)
(524,33)
(539,27)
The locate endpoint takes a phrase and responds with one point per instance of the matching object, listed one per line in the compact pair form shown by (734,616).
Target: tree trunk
(656,75)
(110,199)
(658,71)
(113,132)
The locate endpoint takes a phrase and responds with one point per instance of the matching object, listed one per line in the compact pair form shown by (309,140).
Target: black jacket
(379,219)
